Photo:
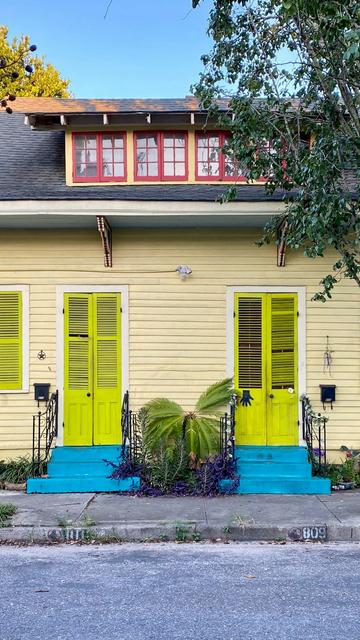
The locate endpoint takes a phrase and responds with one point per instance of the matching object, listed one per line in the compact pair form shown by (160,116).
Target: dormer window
(99,157)
(211,163)
(160,156)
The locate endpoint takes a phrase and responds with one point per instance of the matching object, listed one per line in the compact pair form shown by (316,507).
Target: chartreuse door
(92,380)
(266,367)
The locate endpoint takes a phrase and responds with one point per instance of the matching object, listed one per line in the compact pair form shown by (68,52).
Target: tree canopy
(23,73)
(291,72)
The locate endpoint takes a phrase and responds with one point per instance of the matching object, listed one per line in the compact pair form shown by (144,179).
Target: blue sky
(144,48)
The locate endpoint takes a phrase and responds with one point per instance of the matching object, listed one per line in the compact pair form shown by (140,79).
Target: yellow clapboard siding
(177,330)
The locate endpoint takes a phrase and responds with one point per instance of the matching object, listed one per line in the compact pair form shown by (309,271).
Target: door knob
(88,395)
(271,395)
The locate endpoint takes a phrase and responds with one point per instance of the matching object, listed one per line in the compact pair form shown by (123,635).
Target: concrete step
(85,484)
(274,469)
(271,454)
(70,469)
(284,484)
(97,453)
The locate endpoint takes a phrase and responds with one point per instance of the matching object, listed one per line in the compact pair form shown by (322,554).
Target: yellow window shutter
(283,341)
(10,340)
(250,361)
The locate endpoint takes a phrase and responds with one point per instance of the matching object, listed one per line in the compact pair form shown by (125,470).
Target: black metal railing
(314,433)
(227,432)
(131,434)
(45,429)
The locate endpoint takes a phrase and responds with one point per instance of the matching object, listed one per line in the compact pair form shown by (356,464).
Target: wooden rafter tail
(282,244)
(106,239)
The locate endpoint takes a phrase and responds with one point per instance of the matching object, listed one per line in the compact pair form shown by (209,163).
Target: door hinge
(63,425)
(63,310)
(298,423)
(234,314)
(120,309)
(297,313)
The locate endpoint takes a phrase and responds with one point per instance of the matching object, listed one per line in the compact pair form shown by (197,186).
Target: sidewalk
(114,517)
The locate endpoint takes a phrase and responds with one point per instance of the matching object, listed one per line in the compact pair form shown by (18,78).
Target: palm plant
(165,421)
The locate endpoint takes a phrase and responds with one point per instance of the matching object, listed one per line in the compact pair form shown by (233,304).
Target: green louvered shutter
(10,340)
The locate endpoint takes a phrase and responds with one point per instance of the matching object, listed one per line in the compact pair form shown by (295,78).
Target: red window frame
(99,177)
(223,136)
(161,177)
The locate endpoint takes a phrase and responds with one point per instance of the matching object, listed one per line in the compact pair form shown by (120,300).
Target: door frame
(60,291)
(301,294)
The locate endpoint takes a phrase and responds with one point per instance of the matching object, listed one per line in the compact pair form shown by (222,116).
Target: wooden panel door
(78,378)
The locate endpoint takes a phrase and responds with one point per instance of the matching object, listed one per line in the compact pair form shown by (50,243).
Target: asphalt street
(172,591)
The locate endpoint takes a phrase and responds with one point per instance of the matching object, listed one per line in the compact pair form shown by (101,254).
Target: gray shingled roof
(33,168)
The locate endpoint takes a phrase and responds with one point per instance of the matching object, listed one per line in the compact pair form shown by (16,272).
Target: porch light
(184,271)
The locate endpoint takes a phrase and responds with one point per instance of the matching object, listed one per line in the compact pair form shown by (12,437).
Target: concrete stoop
(281,470)
(82,470)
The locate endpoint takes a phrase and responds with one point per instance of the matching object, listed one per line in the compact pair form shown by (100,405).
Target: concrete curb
(177,531)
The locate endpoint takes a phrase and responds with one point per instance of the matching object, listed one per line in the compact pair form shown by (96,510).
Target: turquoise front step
(284,485)
(278,470)
(64,469)
(274,469)
(77,484)
(86,454)
(82,470)
(272,454)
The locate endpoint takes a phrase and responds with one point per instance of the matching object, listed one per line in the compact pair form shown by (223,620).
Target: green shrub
(17,471)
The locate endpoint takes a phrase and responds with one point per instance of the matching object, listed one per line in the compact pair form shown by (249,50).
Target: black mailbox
(41,391)
(327,394)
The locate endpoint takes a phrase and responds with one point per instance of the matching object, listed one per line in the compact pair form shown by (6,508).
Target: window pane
(213,169)
(169,155)
(118,169)
(80,156)
(107,142)
(108,170)
(202,141)
(151,141)
(202,155)
(168,141)
(80,142)
(141,142)
(168,169)
(141,169)
(107,155)
(152,169)
(91,170)
(180,168)
(80,170)
(180,141)
(91,142)
(152,155)
(214,141)
(91,155)
(180,154)
(119,142)
(203,169)
(118,155)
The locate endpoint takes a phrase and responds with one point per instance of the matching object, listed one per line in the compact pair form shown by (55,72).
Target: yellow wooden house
(121,271)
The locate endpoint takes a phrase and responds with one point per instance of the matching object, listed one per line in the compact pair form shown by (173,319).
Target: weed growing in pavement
(6,511)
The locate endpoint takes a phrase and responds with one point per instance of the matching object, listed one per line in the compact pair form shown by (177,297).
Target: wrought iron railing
(45,429)
(227,432)
(131,434)
(314,433)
